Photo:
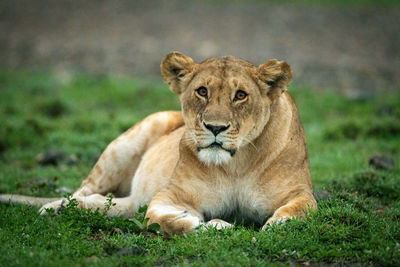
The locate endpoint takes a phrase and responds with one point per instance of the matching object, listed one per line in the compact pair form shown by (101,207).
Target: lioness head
(225,101)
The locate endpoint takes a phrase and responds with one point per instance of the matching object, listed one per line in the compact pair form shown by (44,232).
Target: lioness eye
(202,91)
(240,95)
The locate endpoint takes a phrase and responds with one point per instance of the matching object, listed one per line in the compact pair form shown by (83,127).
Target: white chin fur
(216,156)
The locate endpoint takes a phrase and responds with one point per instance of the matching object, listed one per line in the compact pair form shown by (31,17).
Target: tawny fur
(255,169)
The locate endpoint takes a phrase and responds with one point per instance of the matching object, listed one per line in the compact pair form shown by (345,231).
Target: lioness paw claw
(56,206)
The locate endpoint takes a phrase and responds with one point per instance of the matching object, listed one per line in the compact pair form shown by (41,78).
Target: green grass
(357,224)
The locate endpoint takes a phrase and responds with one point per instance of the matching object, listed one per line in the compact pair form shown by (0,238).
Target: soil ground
(350,48)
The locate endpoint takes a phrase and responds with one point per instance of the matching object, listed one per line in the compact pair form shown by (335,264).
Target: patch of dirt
(350,48)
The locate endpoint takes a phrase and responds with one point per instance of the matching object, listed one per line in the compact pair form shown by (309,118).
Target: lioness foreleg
(178,218)
(173,215)
(174,219)
(297,207)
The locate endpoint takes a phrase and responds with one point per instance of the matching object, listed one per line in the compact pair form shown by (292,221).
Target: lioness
(237,151)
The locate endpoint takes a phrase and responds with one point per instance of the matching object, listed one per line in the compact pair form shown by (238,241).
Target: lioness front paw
(180,227)
(174,221)
(57,206)
(217,224)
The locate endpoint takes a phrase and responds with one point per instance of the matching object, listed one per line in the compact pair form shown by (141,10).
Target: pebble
(50,157)
(321,195)
(72,160)
(381,162)
(64,190)
(91,259)
(131,251)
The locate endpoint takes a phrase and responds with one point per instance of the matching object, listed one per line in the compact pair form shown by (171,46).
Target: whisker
(251,143)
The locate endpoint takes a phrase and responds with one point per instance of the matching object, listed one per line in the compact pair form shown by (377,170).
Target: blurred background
(349,46)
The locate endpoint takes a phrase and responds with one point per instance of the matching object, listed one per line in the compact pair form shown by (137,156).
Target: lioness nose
(216,129)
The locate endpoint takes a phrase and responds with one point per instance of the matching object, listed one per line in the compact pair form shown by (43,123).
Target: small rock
(116,230)
(381,162)
(64,190)
(385,110)
(50,157)
(72,160)
(321,195)
(91,259)
(131,251)
(359,95)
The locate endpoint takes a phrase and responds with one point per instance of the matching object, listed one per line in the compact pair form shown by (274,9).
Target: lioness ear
(174,68)
(275,75)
